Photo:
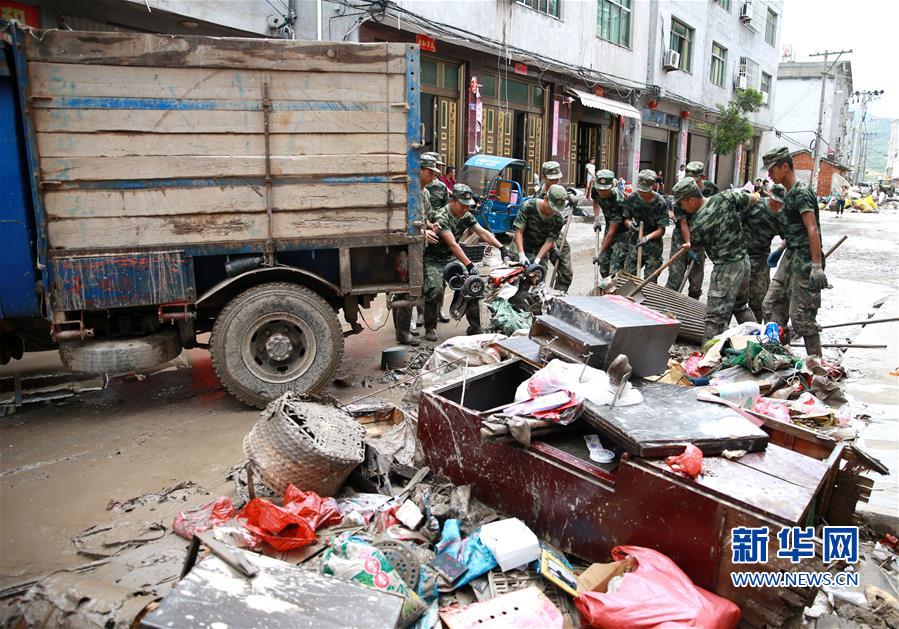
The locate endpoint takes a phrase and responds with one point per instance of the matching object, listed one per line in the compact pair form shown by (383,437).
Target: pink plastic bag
(656,594)
(772,408)
(691,365)
(212,514)
(689,463)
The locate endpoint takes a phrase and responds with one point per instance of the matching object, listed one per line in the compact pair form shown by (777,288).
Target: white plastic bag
(587,384)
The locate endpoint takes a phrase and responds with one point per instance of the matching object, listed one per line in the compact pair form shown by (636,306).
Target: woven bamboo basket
(310,445)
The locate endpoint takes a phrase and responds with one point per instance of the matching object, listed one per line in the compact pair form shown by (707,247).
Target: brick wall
(803,161)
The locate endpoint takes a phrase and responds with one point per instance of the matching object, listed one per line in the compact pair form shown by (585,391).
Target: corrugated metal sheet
(690,312)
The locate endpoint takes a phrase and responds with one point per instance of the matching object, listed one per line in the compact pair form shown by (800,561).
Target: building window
(549,7)
(765,87)
(613,21)
(748,74)
(719,64)
(724,4)
(771,27)
(682,42)
(488,86)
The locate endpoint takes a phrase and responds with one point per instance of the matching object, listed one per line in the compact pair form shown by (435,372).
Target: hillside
(878,145)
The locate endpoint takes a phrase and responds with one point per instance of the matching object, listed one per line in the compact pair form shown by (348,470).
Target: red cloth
(294,524)
(449,181)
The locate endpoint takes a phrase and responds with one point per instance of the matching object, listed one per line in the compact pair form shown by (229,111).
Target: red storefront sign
(22,13)
(520,68)
(428,44)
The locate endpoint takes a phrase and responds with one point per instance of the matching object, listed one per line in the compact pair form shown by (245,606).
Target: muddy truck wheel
(275,338)
(120,355)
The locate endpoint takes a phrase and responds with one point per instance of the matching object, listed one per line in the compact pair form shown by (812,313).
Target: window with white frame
(765,87)
(771,27)
(718,65)
(682,41)
(613,21)
(549,7)
(747,74)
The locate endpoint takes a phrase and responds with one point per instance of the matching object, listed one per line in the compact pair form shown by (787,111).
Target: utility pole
(858,133)
(820,131)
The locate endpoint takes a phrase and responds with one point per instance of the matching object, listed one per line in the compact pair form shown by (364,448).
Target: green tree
(733,127)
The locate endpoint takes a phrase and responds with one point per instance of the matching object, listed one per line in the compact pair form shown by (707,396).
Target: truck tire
(122,355)
(275,338)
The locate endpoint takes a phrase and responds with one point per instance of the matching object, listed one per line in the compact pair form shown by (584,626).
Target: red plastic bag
(691,366)
(656,594)
(212,514)
(689,463)
(293,525)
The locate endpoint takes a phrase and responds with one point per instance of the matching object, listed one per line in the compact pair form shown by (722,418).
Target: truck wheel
(120,355)
(275,338)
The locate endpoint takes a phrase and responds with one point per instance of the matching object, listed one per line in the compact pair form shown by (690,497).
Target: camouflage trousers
(728,295)
(605,259)
(618,253)
(679,267)
(759,280)
(792,295)
(651,259)
(432,294)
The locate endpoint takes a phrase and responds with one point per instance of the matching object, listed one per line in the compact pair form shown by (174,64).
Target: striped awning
(607,104)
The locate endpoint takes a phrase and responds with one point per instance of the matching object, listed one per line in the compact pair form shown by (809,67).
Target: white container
(511,542)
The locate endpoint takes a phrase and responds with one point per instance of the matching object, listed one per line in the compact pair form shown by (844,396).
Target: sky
(867,27)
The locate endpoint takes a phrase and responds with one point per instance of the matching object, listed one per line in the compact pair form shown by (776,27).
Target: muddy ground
(77,463)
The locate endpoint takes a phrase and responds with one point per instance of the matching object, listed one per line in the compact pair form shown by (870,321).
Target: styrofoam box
(511,542)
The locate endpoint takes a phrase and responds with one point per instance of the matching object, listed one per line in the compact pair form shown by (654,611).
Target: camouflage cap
(709,188)
(695,169)
(463,194)
(775,155)
(646,179)
(429,163)
(557,197)
(686,187)
(777,193)
(551,170)
(436,157)
(604,179)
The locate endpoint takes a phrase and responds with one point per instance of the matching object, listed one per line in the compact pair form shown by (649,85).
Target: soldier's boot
(442,318)
(473,314)
(711,331)
(813,345)
(402,319)
(432,312)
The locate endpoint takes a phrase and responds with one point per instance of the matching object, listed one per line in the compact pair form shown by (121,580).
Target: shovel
(596,290)
(634,293)
(639,269)
(683,282)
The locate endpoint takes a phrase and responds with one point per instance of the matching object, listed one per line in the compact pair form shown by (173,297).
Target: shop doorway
(440,95)
(588,138)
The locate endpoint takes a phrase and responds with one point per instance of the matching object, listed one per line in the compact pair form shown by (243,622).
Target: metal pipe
(845,345)
(865,322)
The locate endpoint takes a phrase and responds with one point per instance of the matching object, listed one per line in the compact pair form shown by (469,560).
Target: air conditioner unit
(671,60)
(741,82)
(764,97)
(746,12)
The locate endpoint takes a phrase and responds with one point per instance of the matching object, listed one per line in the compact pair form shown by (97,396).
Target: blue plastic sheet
(470,551)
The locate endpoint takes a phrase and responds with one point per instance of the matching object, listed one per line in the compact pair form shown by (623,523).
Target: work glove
(597,227)
(472,270)
(596,259)
(537,260)
(631,225)
(774,258)
(642,241)
(817,277)
(693,256)
(505,254)
(523,259)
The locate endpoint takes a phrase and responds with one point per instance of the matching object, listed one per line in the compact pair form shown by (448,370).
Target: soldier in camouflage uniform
(649,208)
(611,202)
(560,256)
(803,235)
(450,222)
(679,237)
(761,223)
(776,306)
(538,227)
(716,227)
(437,190)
